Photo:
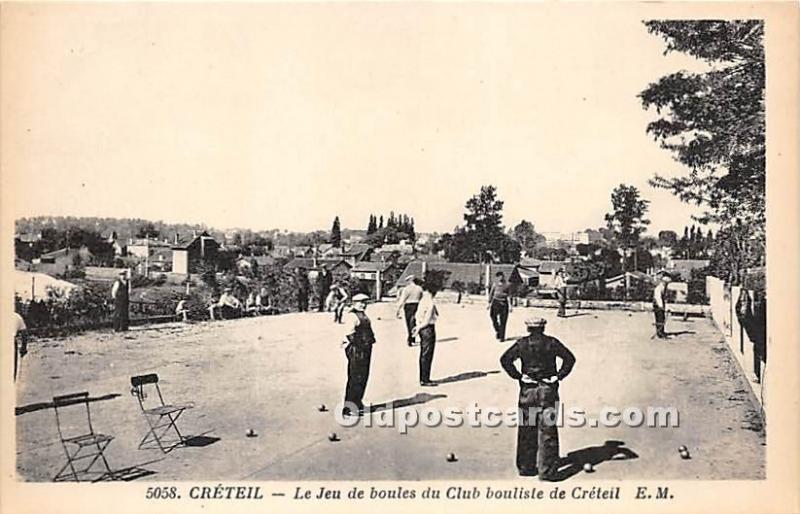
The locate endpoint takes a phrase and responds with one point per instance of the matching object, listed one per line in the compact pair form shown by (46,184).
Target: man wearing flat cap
(537,433)
(357,342)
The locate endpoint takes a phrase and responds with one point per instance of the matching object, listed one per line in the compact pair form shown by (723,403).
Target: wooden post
(378,292)
(33,287)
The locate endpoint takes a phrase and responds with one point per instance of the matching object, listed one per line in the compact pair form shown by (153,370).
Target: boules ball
(683,448)
(250,432)
(333,437)
(451,457)
(322,407)
(685,455)
(588,467)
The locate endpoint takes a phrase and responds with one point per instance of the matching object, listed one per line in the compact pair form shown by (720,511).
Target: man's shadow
(469,375)
(573,463)
(404,402)
(679,333)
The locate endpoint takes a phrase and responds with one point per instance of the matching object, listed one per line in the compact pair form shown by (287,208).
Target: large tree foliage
(627,220)
(483,237)
(713,122)
(525,234)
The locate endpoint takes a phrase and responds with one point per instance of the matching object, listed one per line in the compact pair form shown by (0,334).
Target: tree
(714,122)
(668,238)
(148,230)
(336,233)
(525,234)
(483,238)
(627,221)
(372,226)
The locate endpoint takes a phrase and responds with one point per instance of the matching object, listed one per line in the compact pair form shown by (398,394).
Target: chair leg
(69,464)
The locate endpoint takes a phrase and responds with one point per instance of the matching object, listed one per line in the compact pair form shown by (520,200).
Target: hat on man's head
(410,278)
(535,322)
(360,297)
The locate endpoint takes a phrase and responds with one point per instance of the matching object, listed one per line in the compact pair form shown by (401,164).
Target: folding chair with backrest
(161,416)
(79,439)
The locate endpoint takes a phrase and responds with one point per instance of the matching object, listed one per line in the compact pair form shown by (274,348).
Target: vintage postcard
(429,256)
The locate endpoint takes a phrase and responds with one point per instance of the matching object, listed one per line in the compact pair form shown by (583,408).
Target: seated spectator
(228,306)
(250,305)
(181,311)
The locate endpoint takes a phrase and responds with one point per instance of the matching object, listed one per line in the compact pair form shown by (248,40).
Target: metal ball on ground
(250,433)
(683,448)
(333,437)
(322,408)
(685,455)
(451,457)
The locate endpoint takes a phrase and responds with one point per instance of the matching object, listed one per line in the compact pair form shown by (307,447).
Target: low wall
(723,311)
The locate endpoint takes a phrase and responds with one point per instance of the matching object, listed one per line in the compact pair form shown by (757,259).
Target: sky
(282,116)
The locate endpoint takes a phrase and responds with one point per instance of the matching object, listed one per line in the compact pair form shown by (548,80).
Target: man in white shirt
(660,304)
(560,285)
(357,341)
(425,327)
(227,307)
(408,302)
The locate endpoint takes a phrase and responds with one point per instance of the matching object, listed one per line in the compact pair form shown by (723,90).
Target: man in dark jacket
(357,342)
(121,297)
(537,433)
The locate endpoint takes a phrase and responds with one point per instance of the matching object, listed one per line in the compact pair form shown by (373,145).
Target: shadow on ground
(469,375)
(405,402)
(573,463)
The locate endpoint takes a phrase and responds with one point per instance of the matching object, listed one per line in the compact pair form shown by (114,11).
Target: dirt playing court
(270,374)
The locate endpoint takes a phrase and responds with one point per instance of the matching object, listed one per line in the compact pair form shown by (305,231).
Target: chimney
(177,240)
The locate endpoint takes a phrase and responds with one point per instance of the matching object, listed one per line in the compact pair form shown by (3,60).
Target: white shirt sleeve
(350,321)
(114,289)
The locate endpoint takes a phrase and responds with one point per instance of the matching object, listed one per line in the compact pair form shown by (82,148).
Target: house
(120,249)
(281,252)
(249,264)
(189,252)
(61,261)
(628,280)
(469,275)
(547,272)
(144,248)
(403,248)
(368,273)
(681,269)
(161,259)
(357,253)
(337,267)
(302,251)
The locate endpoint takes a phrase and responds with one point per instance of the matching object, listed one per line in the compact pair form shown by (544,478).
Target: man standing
(409,302)
(301,282)
(357,343)
(121,296)
(20,341)
(339,301)
(537,433)
(323,287)
(425,327)
(561,290)
(499,305)
(660,304)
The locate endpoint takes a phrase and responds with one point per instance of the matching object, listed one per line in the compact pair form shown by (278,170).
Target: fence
(747,345)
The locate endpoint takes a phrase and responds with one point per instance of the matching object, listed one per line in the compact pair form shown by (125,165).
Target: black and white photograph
(290,255)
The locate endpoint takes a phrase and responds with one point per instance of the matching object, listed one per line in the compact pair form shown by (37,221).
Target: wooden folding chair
(80,440)
(161,417)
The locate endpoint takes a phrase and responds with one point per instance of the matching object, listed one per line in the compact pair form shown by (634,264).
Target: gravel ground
(270,374)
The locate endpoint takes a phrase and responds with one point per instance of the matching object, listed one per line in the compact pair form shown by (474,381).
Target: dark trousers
(537,434)
(661,319)
(358,361)
(562,302)
(427,343)
(302,302)
(499,315)
(120,319)
(338,312)
(410,310)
